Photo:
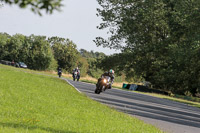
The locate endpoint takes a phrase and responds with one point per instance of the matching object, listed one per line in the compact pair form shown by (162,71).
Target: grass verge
(35,103)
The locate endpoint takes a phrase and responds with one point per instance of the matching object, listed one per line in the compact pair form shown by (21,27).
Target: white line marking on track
(71,85)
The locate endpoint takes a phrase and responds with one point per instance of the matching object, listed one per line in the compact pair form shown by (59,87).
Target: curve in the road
(168,115)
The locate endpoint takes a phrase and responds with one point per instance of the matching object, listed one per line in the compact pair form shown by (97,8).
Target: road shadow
(151,99)
(149,111)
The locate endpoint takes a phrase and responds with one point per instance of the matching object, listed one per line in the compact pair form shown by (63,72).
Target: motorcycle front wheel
(98,90)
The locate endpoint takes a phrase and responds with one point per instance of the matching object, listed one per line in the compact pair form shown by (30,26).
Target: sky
(77,21)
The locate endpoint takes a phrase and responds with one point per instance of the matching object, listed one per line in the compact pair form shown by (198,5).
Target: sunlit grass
(37,103)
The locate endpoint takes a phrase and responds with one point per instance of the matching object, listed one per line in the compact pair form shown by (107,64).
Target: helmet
(76,67)
(111,71)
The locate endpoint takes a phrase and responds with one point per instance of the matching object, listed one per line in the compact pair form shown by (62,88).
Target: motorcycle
(59,73)
(76,76)
(102,84)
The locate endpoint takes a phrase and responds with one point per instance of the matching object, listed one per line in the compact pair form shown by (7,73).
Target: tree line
(42,53)
(159,40)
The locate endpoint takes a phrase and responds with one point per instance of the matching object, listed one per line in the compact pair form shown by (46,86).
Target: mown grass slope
(39,104)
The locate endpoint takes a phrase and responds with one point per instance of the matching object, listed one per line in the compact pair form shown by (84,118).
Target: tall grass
(41,104)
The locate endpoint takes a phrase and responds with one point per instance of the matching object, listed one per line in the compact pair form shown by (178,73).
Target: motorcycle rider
(78,73)
(59,71)
(110,73)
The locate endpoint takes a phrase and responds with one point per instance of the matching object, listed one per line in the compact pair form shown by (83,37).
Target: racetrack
(169,116)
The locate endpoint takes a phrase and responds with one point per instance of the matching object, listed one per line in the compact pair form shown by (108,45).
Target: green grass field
(42,104)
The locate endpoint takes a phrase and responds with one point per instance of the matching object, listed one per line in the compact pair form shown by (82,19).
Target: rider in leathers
(110,73)
(59,71)
(78,72)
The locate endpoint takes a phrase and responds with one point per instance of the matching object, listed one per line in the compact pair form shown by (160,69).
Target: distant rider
(110,73)
(59,71)
(77,71)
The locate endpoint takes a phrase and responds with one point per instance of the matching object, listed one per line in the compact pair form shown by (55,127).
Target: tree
(158,40)
(4,39)
(83,65)
(35,51)
(65,52)
(16,48)
(91,54)
(37,5)
(40,53)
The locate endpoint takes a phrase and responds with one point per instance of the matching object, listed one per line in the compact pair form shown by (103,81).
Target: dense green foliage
(42,53)
(65,52)
(92,59)
(159,40)
(95,65)
(37,5)
(34,103)
(83,65)
(35,51)
(94,70)
(91,54)
(38,52)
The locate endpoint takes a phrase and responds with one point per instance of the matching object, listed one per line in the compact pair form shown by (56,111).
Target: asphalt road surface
(169,116)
